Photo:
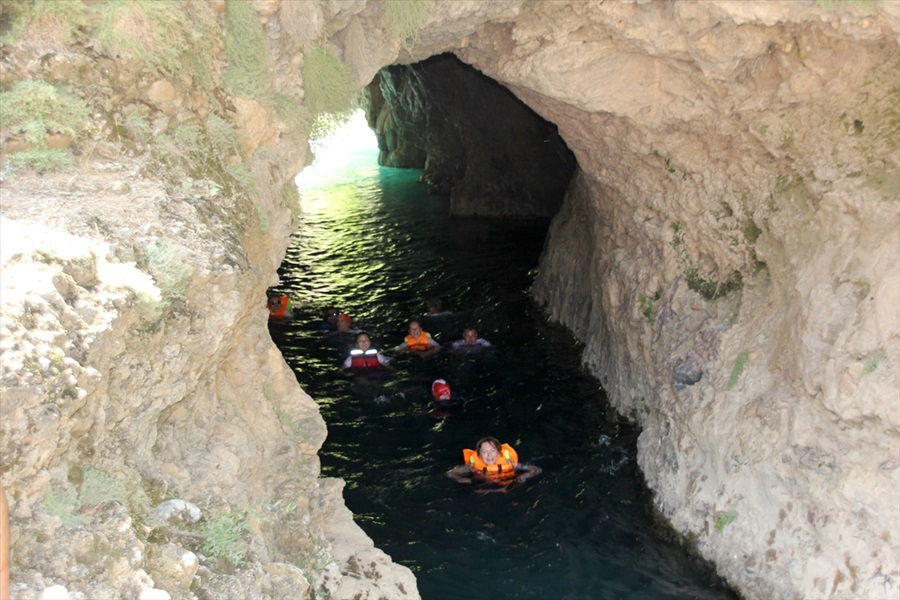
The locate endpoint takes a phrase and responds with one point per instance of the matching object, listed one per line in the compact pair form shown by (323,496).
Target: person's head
(363,342)
(415,329)
(343,322)
(434,305)
(275,302)
(440,389)
(331,315)
(470,334)
(488,449)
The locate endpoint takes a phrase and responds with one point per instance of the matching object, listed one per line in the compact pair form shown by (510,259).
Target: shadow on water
(377,246)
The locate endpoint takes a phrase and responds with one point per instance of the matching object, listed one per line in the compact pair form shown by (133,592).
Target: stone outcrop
(727,250)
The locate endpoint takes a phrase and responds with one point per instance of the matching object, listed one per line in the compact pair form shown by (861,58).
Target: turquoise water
(375,244)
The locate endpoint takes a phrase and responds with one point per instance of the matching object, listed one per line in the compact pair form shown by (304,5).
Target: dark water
(376,245)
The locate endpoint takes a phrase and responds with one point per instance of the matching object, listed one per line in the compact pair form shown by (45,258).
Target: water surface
(375,244)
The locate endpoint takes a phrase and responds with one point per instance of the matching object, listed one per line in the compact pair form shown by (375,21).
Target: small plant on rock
(34,110)
(740,363)
(223,538)
(646,304)
(403,19)
(724,518)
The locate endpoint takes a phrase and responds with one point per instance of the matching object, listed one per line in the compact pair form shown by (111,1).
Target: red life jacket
(504,468)
(364,360)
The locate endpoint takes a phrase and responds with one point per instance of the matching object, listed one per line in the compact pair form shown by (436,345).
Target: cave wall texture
(728,251)
(474,140)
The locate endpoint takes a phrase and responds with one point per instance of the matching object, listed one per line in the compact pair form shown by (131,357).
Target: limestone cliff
(728,252)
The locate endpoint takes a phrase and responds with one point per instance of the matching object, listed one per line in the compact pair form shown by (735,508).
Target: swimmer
(444,399)
(363,356)
(470,341)
(493,462)
(343,336)
(280,306)
(435,308)
(418,341)
(329,320)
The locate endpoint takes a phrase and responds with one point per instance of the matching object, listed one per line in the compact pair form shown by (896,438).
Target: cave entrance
(474,140)
(376,244)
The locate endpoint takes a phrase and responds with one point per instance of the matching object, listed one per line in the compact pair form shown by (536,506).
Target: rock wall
(728,252)
(137,372)
(477,142)
(729,255)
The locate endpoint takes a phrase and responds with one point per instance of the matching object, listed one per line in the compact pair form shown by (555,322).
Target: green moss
(45,22)
(403,19)
(242,175)
(296,117)
(34,109)
(64,503)
(170,266)
(290,195)
(98,488)
(725,518)
(852,5)
(740,363)
(329,84)
(245,46)
(223,538)
(138,127)
(870,364)
(646,305)
(41,161)
(751,231)
(222,135)
(176,37)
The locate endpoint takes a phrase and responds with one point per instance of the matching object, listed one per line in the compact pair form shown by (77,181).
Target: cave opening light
(345,150)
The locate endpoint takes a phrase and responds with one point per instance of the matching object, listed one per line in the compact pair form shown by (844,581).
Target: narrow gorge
(724,182)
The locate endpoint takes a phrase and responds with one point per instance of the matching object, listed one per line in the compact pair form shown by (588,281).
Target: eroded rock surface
(728,252)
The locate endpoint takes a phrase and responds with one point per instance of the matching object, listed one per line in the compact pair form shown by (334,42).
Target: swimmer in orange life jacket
(280,306)
(363,356)
(418,341)
(492,462)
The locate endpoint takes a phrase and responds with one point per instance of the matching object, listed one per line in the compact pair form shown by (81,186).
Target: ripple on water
(377,246)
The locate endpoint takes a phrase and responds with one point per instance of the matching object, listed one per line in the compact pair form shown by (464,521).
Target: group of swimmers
(491,462)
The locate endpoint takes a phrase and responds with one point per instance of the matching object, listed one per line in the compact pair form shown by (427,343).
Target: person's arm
(347,362)
(433,343)
(526,472)
(401,348)
(462,474)
(384,361)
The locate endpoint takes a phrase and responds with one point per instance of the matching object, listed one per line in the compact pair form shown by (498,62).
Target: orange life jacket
(502,469)
(418,344)
(278,306)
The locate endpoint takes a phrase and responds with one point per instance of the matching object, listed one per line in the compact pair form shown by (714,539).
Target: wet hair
(470,327)
(435,303)
(490,440)
(363,332)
